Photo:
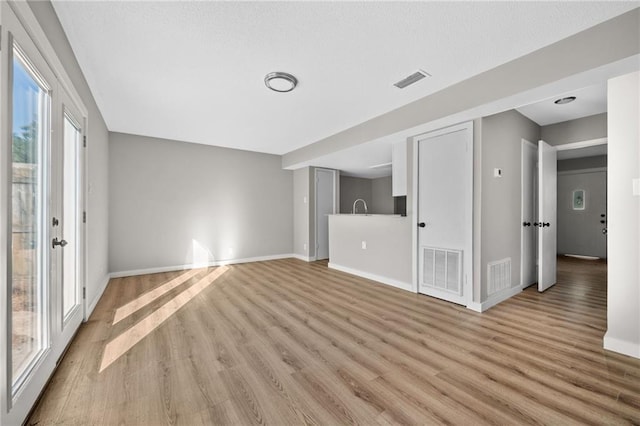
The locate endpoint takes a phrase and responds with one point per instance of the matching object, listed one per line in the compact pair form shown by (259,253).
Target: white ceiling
(368,160)
(193,70)
(589,101)
(358,160)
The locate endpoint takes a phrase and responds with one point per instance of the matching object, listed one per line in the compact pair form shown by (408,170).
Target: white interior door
(547,214)
(528,231)
(445,184)
(325,205)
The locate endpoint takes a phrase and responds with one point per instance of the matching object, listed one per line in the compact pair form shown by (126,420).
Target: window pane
(29,129)
(70,217)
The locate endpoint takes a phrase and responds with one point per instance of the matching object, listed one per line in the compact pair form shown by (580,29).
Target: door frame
(334,176)
(468,255)
(572,146)
(586,144)
(581,144)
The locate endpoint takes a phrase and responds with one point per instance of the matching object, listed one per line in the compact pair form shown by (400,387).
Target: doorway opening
(581,208)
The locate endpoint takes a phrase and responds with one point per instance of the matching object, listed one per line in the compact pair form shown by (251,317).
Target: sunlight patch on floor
(142,301)
(127,340)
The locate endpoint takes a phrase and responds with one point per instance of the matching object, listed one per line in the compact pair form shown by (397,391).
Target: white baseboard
(96,299)
(494,299)
(621,346)
(146,271)
(475,306)
(384,280)
(303,258)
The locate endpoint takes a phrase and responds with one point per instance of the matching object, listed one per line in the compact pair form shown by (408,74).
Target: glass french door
(68,219)
(31,110)
(42,171)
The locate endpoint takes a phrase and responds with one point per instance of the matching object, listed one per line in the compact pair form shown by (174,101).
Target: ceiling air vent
(413,78)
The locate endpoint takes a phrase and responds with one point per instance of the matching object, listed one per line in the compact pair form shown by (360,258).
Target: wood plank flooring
(286,342)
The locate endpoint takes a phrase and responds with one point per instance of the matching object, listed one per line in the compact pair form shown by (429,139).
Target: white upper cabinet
(399,168)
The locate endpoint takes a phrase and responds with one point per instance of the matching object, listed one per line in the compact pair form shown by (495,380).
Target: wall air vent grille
(442,269)
(498,275)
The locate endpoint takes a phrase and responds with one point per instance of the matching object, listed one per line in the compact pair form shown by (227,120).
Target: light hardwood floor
(285,342)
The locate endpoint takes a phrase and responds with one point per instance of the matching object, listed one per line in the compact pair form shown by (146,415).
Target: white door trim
(582,171)
(334,175)
(581,144)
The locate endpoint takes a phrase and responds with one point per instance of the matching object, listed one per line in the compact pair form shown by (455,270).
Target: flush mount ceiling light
(566,100)
(280,81)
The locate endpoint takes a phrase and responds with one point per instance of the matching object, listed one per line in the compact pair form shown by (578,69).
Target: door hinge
(84,292)
(84,141)
(84,217)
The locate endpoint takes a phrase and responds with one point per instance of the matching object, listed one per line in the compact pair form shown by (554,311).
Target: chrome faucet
(353,211)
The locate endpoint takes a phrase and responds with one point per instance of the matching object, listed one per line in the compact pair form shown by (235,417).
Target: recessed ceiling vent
(413,78)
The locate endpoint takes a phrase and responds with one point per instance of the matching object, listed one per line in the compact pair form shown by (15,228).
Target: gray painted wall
(174,203)
(388,253)
(381,198)
(352,188)
(582,129)
(97,152)
(501,147)
(580,231)
(376,193)
(594,162)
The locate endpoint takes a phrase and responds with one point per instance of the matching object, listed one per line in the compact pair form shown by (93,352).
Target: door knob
(604,231)
(526,223)
(60,243)
(422,224)
(546,224)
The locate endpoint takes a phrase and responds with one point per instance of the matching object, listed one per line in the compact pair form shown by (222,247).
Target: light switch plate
(497,172)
